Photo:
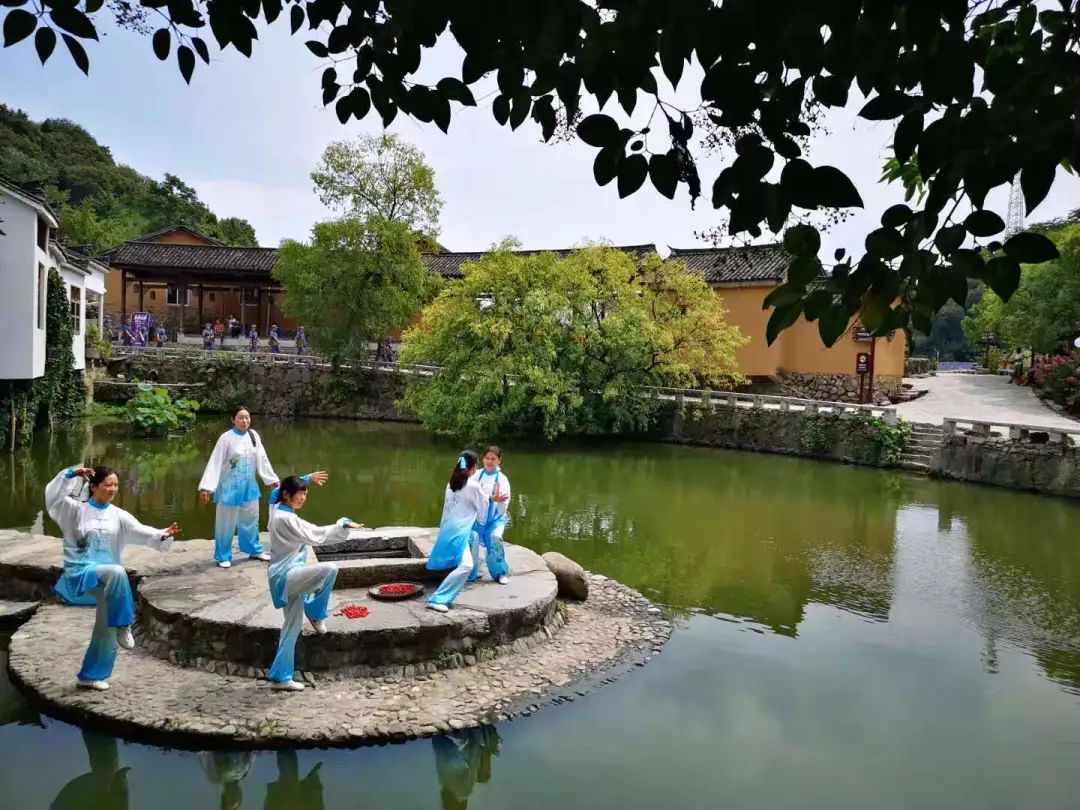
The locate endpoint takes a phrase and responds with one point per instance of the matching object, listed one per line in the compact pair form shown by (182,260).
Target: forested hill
(99,201)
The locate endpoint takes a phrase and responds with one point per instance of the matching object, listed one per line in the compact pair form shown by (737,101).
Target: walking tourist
(219,333)
(234,327)
(208,337)
(230,477)
(496,487)
(275,340)
(95,533)
(162,336)
(464,507)
(253,339)
(295,586)
(301,340)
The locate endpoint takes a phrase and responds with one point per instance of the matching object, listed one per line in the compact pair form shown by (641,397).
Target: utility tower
(1014,218)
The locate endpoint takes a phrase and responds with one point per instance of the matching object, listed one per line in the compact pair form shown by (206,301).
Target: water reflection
(290,791)
(463,760)
(227,769)
(105,786)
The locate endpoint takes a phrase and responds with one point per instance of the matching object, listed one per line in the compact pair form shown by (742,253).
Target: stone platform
(400,671)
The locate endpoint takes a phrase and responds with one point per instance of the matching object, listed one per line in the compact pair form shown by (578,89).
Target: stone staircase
(925,439)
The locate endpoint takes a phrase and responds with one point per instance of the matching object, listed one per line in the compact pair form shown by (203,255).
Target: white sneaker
(265,557)
(503,580)
(100,686)
(437,607)
(287,686)
(124,638)
(224,564)
(319,625)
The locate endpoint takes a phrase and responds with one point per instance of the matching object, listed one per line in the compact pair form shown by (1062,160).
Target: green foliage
(98,342)
(379,176)
(357,281)
(59,395)
(815,437)
(1058,377)
(1044,313)
(152,412)
(99,202)
(975,94)
(887,442)
(565,345)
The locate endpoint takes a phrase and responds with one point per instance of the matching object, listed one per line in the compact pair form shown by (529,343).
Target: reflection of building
(29,250)
(463,759)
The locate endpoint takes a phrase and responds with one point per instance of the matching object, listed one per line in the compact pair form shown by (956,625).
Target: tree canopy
(978,92)
(100,202)
(356,282)
(379,175)
(565,345)
(1045,311)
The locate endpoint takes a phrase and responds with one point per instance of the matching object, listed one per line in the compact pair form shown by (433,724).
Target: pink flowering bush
(1058,378)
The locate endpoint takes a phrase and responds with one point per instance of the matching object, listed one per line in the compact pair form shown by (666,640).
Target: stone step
(914,466)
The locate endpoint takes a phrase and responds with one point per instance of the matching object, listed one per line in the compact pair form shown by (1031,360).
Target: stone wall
(223,381)
(848,438)
(1050,468)
(840,387)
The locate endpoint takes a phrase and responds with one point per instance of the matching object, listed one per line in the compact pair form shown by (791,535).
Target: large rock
(568,574)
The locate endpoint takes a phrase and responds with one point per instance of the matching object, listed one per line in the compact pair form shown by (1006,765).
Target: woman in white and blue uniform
(496,485)
(95,533)
(464,507)
(295,586)
(229,476)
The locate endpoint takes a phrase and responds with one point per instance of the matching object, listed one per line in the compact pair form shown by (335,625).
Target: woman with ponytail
(95,534)
(465,505)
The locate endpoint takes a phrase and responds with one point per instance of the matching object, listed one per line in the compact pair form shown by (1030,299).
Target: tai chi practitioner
(230,477)
(496,486)
(95,534)
(465,506)
(295,586)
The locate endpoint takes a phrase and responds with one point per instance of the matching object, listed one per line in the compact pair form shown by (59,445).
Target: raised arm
(139,534)
(295,529)
(211,476)
(502,500)
(59,498)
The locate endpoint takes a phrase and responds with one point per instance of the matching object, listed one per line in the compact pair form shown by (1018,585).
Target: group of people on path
(95,533)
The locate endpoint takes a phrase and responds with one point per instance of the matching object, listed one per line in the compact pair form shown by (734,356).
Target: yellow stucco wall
(799,349)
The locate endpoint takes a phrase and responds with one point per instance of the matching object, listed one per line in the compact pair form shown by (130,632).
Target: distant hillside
(99,201)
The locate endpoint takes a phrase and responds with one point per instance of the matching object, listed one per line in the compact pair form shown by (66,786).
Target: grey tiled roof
(763,263)
(193,257)
(448,263)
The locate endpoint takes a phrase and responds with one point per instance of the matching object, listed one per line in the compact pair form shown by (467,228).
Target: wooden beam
(200,306)
(123,297)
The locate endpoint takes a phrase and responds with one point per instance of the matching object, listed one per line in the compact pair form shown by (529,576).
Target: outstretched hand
(172,531)
(204,494)
(497,496)
(319,477)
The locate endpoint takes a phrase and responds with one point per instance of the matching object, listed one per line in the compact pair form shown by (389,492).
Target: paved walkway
(985,397)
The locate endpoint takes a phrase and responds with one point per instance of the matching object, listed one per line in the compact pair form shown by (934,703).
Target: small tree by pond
(565,345)
(152,412)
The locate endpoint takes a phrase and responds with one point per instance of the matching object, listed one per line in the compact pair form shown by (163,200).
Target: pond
(845,638)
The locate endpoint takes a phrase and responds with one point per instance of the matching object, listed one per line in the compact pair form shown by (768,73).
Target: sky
(247,133)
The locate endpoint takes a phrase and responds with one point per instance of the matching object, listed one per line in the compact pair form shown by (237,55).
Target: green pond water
(846,638)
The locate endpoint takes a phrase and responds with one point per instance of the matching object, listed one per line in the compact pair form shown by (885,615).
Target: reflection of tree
(228,769)
(290,792)
(25,473)
(463,759)
(104,787)
(1025,578)
(13,706)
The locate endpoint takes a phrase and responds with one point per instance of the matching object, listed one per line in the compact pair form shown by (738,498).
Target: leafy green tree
(977,92)
(234,231)
(565,345)
(1045,311)
(355,282)
(379,175)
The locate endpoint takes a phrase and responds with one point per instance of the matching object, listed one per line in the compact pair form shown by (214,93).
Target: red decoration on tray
(353,612)
(396,589)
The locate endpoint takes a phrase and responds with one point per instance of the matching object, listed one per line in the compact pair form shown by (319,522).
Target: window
(42,293)
(173,298)
(75,296)
(42,234)
(211,298)
(153,295)
(251,295)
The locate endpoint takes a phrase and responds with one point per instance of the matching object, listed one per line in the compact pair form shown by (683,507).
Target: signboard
(862,363)
(860,334)
(140,327)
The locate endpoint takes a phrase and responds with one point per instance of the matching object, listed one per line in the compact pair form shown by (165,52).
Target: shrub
(1058,377)
(152,412)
